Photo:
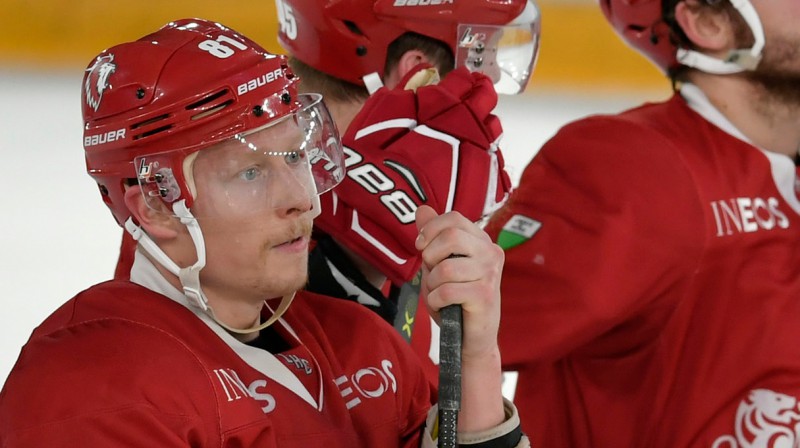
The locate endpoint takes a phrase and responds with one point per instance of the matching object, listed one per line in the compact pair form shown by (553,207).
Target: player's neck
(239,314)
(242,313)
(343,113)
(770,121)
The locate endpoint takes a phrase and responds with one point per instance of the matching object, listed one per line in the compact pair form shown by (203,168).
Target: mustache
(297,229)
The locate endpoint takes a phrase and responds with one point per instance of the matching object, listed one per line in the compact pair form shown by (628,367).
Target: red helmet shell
(348,39)
(640,23)
(189,85)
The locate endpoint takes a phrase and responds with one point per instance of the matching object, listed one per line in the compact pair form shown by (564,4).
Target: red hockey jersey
(120,365)
(651,289)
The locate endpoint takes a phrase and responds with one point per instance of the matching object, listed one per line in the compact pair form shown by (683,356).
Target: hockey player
(652,275)
(203,149)
(416,141)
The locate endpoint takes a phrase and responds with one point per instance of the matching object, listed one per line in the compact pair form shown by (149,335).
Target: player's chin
(289,277)
(292,285)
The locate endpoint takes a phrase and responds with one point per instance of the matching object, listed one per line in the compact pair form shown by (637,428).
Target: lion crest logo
(97,80)
(765,419)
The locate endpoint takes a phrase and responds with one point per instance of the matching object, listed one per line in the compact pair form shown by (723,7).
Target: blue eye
(250,174)
(293,157)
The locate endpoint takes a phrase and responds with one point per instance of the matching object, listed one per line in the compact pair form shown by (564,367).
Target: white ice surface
(56,236)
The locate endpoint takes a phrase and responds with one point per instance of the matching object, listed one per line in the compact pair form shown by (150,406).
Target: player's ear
(405,64)
(411,59)
(159,224)
(710,30)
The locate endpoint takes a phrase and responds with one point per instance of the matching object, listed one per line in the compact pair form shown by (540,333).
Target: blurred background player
(652,262)
(417,141)
(203,149)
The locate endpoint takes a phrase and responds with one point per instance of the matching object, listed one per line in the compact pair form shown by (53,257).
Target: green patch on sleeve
(517,230)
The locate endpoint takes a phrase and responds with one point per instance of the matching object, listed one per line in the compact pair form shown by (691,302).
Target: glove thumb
(423,74)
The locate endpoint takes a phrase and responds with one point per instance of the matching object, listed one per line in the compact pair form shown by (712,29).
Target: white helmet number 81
(217,47)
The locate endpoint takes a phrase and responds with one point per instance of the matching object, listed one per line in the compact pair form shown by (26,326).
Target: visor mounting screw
(286,98)
(479,48)
(159,177)
(163,192)
(361,50)
(477,62)
(287,72)
(258,111)
(140,93)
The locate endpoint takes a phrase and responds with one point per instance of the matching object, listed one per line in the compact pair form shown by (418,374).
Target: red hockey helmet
(348,39)
(641,24)
(152,104)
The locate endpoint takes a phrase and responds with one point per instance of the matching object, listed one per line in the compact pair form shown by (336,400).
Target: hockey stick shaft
(449,374)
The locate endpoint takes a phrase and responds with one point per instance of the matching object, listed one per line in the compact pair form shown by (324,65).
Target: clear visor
(282,165)
(506,54)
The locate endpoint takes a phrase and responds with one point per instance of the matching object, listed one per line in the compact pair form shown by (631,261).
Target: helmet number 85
(217,47)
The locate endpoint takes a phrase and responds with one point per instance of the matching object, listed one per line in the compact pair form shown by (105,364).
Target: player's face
(257,241)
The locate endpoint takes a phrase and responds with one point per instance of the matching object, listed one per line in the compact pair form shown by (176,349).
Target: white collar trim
(784,171)
(699,102)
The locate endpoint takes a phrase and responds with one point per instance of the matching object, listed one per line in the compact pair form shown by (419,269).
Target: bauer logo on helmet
(255,83)
(421,2)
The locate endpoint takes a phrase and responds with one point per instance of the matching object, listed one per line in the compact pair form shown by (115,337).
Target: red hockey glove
(435,146)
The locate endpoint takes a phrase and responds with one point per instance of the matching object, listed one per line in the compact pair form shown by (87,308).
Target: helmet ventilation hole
(150,131)
(353,27)
(209,105)
(208,99)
